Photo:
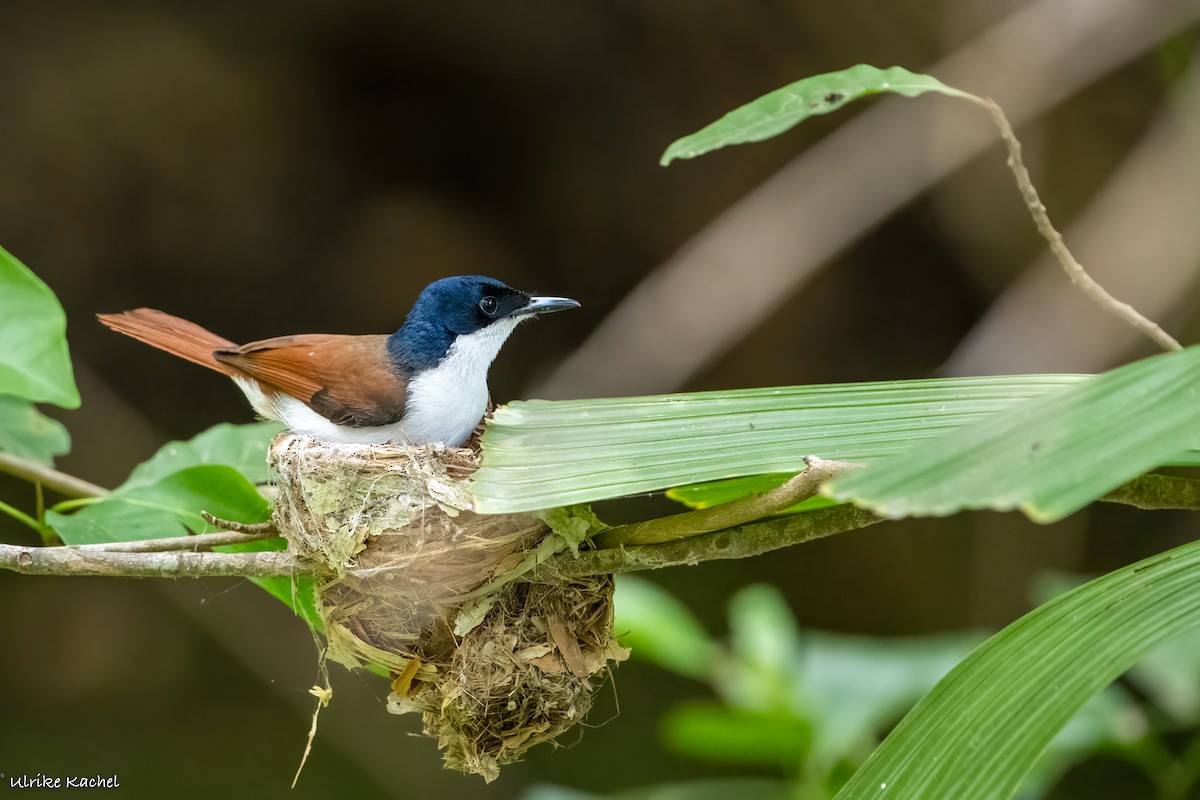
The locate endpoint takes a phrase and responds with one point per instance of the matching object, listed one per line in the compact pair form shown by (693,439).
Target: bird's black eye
(488,305)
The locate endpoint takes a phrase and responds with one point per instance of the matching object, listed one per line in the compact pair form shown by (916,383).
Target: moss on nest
(417,582)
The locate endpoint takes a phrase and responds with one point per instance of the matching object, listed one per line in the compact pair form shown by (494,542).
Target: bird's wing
(349,380)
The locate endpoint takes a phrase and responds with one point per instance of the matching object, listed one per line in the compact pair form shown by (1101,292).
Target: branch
(171,564)
(64,484)
(1147,492)
(1073,268)
(253,528)
(194,542)
(742,541)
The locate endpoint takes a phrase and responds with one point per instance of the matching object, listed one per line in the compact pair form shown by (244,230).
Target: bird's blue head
(459,307)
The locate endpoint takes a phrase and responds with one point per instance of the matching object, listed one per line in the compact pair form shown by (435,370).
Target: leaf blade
(26,432)
(34,361)
(542,454)
(164,508)
(961,739)
(781,110)
(1049,457)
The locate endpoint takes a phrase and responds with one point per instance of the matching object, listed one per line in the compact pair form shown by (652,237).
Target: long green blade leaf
(542,454)
(1048,457)
(986,723)
(783,109)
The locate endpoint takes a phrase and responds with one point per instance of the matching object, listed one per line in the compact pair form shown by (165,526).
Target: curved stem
(64,484)
(737,512)
(1075,271)
(737,542)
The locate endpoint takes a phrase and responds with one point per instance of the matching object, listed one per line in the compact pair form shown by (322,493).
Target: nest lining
(392,530)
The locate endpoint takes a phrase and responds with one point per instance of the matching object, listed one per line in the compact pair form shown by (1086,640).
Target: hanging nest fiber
(411,579)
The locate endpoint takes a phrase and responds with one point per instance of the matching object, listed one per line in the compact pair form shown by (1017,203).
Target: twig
(737,512)
(1073,268)
(252,528)
(195,543)
(171,564)
(739,542)
(64,484)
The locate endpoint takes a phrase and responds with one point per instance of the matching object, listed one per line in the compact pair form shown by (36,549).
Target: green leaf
(766,645)
(34,363)
(783,109)
(243,447)
(714,493)
(852,687)
(986,723)
(164,507)
(846,687)
(1048,457)
(1168,677)
(27,433)
(661,629)
(737,736)
(542,454)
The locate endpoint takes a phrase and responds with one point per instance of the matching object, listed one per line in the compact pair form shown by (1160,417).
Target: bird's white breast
(445,402)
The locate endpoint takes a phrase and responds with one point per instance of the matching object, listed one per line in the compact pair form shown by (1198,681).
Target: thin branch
(737,512)
(172,564)
(64,484)
(252,528)
(195,543)
(1073,268)
(738,542)
(1146,492)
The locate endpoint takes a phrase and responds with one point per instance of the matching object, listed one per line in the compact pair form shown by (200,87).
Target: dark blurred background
(277,168)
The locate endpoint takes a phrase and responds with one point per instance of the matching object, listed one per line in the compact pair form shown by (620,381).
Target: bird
(424,384)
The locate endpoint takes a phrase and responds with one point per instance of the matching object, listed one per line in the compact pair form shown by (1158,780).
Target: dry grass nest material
(418,583)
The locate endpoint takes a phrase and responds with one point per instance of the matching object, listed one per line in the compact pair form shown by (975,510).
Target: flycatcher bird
(425,383)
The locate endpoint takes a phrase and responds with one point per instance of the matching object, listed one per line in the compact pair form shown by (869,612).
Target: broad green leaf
(661,629)
(846,687)
(164,508)
(713,789)
(736,735)
(767,652)
(542,454)
(1168,677)
(1048,457)
(34,363)
(26,432)
(853,687)
(783,109)
(243,447)
(985,724)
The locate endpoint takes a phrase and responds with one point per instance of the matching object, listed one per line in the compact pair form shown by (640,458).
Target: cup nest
(412,580)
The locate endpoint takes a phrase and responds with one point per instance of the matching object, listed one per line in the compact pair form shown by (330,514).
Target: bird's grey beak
(544,305)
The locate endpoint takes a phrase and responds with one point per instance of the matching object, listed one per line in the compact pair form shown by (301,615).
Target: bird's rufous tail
(177,336)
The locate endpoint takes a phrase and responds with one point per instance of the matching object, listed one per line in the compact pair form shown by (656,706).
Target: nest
(414,581)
